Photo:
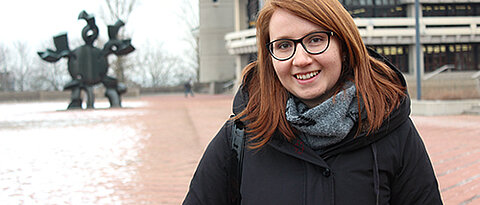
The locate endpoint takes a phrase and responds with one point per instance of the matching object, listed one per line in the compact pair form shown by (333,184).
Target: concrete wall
(444,107)
(99,93)
(446,86)
(216,20)
(58,95)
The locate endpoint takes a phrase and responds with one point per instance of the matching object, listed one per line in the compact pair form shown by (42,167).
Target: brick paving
(452,141)
(179,129)
(176,131)
(454,147)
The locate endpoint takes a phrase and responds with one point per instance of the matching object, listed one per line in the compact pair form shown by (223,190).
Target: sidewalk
(453,143)
(146,152)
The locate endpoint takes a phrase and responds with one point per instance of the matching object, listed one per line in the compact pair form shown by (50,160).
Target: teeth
(307,76)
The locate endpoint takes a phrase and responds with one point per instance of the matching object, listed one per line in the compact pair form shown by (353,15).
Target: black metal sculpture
(88,65)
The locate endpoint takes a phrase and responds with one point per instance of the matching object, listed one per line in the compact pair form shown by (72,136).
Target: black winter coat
(390,166)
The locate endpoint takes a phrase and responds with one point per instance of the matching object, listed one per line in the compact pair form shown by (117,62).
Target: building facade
(449,34)
(216,65)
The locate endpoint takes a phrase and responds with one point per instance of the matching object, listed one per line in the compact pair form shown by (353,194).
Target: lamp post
(417,48)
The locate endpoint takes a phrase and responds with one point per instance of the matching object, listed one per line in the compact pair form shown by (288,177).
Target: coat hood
(351,143)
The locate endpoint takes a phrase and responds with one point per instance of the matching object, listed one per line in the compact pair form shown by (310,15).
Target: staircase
(475,110)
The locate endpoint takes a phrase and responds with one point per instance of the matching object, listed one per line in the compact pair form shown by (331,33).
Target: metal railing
(241,42)
(393,31)
(476,75)
(438,71)
(429,26)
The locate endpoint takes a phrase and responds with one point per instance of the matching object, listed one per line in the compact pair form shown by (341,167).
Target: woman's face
(307,76)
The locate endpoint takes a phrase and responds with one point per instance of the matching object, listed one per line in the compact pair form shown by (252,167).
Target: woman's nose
(301,57)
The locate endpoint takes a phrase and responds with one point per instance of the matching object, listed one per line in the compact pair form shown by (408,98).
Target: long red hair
(377,85)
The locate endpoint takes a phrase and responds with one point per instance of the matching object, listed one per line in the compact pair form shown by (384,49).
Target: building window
(476,50)
(397,54)
(252,11)
(463,56)
(374,8)
(451,9)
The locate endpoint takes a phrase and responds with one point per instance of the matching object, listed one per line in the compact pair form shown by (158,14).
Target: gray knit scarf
(327,123)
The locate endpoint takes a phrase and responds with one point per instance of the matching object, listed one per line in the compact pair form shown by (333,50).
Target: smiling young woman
(327,120)
(347,58)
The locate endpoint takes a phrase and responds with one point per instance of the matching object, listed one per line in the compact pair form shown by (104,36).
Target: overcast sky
(37,21)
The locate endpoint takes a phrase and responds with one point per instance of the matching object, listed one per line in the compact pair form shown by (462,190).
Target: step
(475,110)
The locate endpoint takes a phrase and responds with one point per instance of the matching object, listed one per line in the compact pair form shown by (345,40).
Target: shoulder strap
(238,143)
(238,148)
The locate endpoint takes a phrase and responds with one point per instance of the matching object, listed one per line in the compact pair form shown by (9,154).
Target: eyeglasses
(314,43)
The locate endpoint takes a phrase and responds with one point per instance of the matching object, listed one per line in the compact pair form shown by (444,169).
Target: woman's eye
(283,45)
(316,39)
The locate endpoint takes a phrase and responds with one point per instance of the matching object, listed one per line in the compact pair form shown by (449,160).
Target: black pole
(417,48)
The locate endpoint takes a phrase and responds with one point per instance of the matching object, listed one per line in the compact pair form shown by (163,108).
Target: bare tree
(3,58)
(119,10)
(5,75)
(21,65)
(51,76)
(156,67)
(189,17)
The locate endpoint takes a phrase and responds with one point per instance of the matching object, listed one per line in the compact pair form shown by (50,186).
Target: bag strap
(238,143)
(238,148)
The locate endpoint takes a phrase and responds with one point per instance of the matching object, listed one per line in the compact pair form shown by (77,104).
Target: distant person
(326,121)
(189,88)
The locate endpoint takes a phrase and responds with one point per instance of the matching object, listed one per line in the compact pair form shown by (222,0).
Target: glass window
(477,53)
(397,54)
(462,56)
(252,10)
(451,9)
(374,8)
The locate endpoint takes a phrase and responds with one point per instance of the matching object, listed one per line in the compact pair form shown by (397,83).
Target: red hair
(377,85)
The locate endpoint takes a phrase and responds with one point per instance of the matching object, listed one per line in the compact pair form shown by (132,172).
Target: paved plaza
(146,152)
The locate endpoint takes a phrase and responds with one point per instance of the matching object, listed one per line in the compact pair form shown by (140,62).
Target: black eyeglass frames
(314,43)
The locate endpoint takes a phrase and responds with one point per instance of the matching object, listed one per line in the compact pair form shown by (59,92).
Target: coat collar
(296,148)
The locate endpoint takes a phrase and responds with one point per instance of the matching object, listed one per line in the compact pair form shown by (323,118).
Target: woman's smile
(306,76)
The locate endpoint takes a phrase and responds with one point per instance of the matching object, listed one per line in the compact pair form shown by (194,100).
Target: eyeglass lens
(313,43)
